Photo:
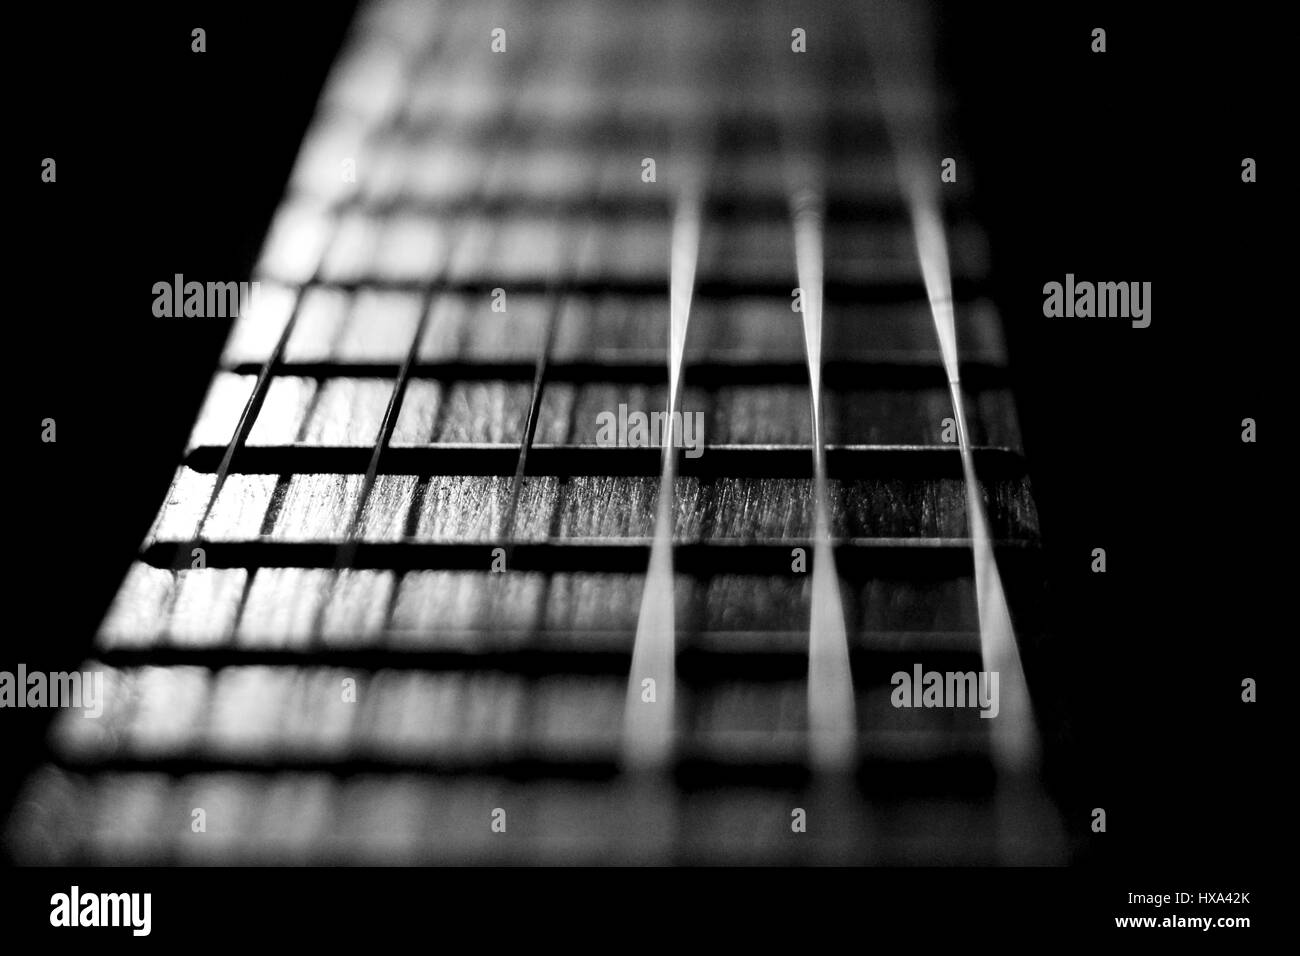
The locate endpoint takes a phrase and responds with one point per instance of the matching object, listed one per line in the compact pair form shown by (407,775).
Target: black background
(169,162)
(1121,166)
(1127,165)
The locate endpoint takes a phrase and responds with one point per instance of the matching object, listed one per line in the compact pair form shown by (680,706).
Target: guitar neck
(426,586)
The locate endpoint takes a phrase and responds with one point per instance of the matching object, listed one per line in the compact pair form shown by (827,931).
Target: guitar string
(832,722)
(1014,734)
(392,124)
(650,708)
(346,549)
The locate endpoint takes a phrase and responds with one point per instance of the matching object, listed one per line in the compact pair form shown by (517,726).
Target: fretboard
(425,549)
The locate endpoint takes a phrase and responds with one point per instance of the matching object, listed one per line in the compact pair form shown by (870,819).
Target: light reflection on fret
(476,610)
(291,714)
(594,507)
(746,330)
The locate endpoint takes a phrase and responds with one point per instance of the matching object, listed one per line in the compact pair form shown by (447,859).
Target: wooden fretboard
(402,592)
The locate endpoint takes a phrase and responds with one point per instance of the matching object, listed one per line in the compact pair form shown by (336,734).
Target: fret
(471,93)
(301,411)
(458,609)
(315,507)
(745,331)
(311,817)
(295,716)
